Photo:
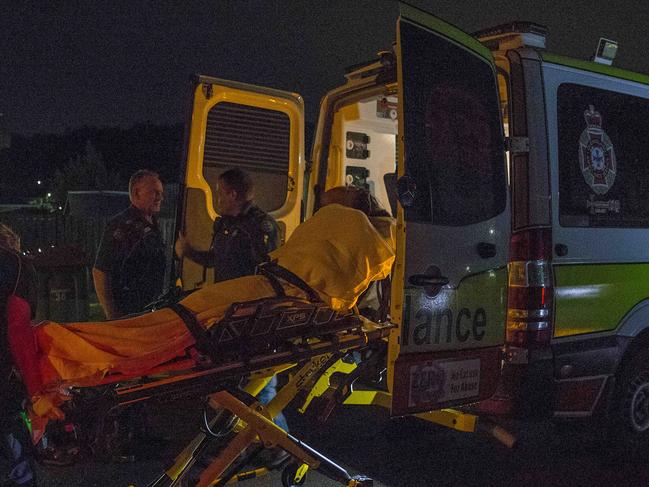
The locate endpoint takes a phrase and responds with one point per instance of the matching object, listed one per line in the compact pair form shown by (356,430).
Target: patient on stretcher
(337,253)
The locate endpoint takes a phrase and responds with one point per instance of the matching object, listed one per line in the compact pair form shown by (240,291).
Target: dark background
(92,91)
(69,64)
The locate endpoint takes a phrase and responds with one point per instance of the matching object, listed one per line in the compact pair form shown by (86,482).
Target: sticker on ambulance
(596,153)
(443,381)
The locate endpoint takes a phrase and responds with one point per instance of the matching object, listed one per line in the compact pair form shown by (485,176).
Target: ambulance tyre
(631,408)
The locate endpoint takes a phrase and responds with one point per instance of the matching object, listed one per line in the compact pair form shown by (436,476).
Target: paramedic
(243,236)
(17,276)
(130,264)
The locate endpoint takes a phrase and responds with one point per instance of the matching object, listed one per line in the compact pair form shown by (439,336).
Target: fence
(42,233)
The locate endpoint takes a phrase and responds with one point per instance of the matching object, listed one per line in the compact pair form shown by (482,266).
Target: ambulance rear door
(257,129)
(450,280)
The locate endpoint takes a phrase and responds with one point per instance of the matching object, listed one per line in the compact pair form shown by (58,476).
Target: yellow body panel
(289,213)
(199,211)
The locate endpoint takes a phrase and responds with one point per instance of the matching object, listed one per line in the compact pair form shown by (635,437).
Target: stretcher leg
(254,431)
(270,434)
(226,457)
(221,423)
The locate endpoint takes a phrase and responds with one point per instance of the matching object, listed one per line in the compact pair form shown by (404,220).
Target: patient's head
(353,197)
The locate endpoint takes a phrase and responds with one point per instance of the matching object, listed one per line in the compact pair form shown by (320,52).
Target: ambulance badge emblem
(427,382)
(596,154)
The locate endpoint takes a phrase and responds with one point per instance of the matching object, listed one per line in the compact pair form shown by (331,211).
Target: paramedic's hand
(182,246)
(185,250)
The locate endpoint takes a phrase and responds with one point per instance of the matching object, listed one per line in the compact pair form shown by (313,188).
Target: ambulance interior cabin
(363,148)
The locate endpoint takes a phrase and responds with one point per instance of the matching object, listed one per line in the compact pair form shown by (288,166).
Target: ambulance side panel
(600,217)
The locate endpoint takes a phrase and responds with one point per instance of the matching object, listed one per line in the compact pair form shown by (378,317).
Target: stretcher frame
(316,351)
(257,431)
(312,358)
(256,426)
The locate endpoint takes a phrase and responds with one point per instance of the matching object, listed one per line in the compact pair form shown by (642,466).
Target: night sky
(115,63)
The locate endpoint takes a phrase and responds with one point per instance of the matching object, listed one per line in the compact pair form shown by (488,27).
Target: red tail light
(530,291)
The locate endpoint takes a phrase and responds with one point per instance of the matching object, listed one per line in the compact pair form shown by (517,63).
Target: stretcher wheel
(294,474)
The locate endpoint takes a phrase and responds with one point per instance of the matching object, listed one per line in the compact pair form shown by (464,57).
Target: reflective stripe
(515,313)
(528,325)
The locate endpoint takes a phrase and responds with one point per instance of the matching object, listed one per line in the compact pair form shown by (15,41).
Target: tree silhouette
(85,172)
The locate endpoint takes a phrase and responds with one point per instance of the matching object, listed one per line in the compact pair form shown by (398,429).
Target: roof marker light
(513,35)
(606,51)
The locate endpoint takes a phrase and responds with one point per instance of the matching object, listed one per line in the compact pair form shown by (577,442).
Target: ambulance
(520,184)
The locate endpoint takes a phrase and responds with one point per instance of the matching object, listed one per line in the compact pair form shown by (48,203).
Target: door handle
(486,250)
(427,280)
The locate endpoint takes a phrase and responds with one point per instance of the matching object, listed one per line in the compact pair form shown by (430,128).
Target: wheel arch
(636,321)
(635,328)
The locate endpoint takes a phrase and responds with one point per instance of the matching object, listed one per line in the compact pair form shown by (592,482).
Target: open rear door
(449,288)
(259,130)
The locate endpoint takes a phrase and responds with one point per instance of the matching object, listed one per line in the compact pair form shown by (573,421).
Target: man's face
(147,196)
(227,200)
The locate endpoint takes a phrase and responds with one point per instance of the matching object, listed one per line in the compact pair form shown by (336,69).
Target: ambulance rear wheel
(631,421)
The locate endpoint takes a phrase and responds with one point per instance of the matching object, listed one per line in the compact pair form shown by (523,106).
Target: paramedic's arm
(105,293)
(185,249)
(271,235)
(266,241)
(105,260)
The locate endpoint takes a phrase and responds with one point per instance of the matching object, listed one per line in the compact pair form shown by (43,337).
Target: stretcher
(255,341)
(223,343)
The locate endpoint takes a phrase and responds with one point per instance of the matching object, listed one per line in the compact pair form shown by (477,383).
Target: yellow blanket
(338,252)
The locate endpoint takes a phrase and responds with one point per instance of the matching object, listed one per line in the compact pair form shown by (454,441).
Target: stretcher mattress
(338,253)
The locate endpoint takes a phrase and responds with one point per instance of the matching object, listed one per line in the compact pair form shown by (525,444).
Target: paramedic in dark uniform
(243,233)
(17,276)
(130,264)
(243,236)
(128,275)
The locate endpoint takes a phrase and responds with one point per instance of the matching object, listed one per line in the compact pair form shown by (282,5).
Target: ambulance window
(253,139)
(603,158)
(453,133)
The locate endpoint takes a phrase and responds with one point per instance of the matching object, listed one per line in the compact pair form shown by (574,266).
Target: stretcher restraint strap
(275,270)
(274,282)
(200,334)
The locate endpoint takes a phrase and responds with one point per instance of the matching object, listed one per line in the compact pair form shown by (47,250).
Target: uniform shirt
(16,273)
(241,242)
(132,253)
